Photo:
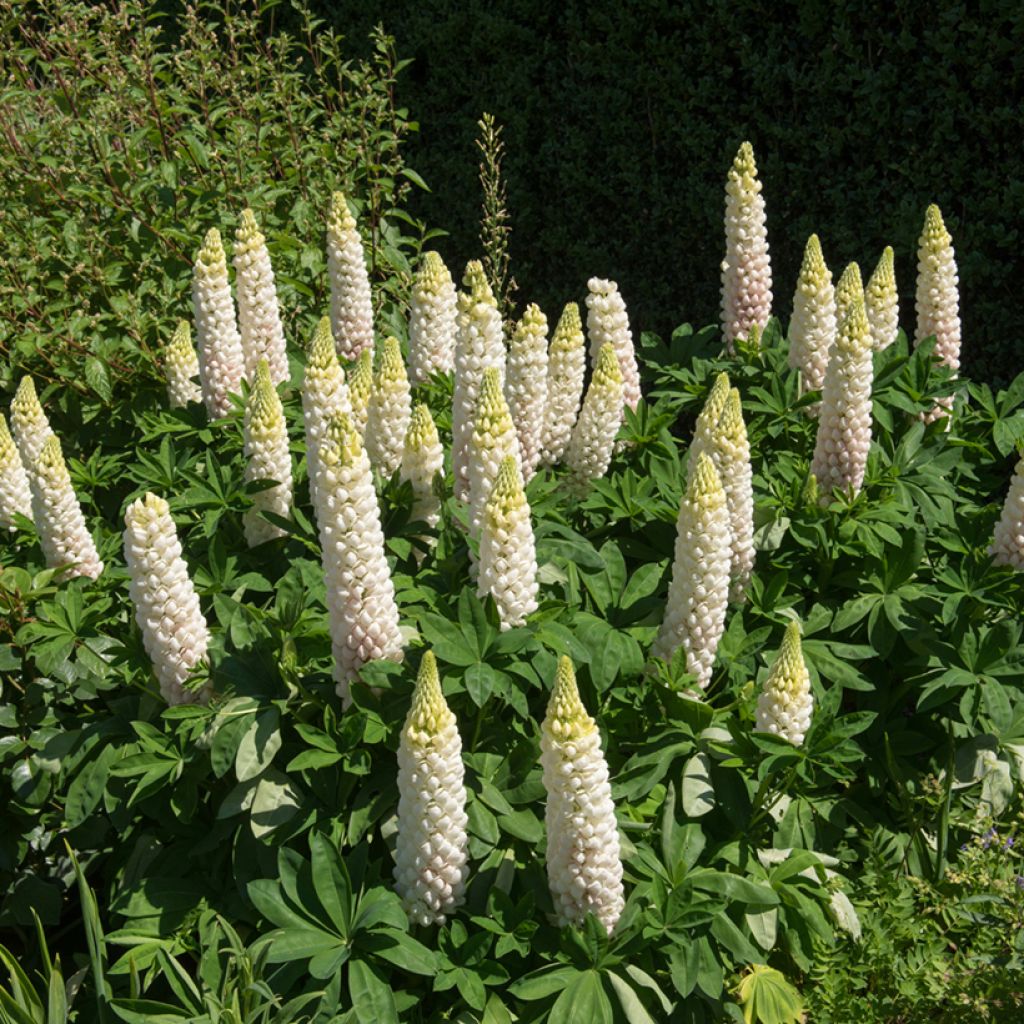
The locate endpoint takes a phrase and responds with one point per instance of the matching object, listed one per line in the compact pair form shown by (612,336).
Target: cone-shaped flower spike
(259,319)
(221,362)
(844,427)
(180,366)
(882,301)
(351,304)
(746,269)
(29,423)
(566,368)
(583,853)
(14,491)
(607,323)
(166,605)
(731,453)
(1008,542)
(849,291)
(593,437)
(431,844)
(707,420)
(360,387)
(508,554)
(363,616)
(526,385)
(267,458)
(387,415)
(422,462)
(784,706)
(813,327)
(432,320)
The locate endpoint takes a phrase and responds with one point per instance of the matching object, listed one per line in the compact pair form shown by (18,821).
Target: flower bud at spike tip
(849,291)
(180,366)
(360,387)
(707,421)
(29,423)
(881,300)
(432,315)
(566,369)
(526,385)
(15,496)
(422,463)
(388,411)
(268,458)
(259,319)
(593,437)
(1007,546)
(785,705)
(351,301)
(731,452)
(813,326)
(608,324)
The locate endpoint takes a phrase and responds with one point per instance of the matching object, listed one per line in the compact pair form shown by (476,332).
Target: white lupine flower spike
(785,705)
(526,385)
(29,423)
(583,851)
(732,459)
(167,610)
(15,496)
(180,367)
(360,387)
(746,269)
(593,438)
(259,318)
(218,343)
(849,291)
(1007,546)
(431,845)
(432,320)
(567,364)
(388,412)
(707,420)
(351,303)
(882,301)
(363,615)
(608,323)
(267,458)
(422,463)
(508,554)
(813,326)
(699,592)
(844,426)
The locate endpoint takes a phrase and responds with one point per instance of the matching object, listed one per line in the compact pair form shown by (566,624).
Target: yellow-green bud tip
(343,445)
(50,455)
(569,323)
(606,370)
(476,281)
(212,251)
(705,484)
(339,214)
(731,424)
(391,365)
(422,429)
(429,712)
(567,718)
(322,352)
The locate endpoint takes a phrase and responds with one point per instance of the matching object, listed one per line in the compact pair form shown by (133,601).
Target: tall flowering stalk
(508,555)
(746,269)
(351,303)
(267,458)
(422,463)
(431,845)
(844,427)
(699,592)
(180,367)
(707,420)
(813,326)
(526,385)
(15,496)
(219,345)
(259,319)
(583,853)
(566,369)
(389,409)
(360,388)
(29,423)
(882,301)
(1007,546)
(363,615)
(608,324)
(731,453)
(785,705)
(593,437)
(849,291)
(167,610)
(432,320)
(493,440)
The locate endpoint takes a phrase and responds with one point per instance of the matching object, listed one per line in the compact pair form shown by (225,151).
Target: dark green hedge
(622,120)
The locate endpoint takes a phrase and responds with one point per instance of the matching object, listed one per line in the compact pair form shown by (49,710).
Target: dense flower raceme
(363,616)
(351,303)
(566,369)
(389,409)
(593,437)
(180,367)
(479,344)
(431,843)
(731,453)
(583,851)
(167,610)
(360,387)
(267,458)
(882,301)
(422,463)
(785,704)
(746,269)
(526,385)
(432,320)
(259,318)
(1008,541)
(849,290)
(508,554)
(699,592)
(813,326)
(29,423)
(844,427)
(15,496)
(608,324)
(707,420)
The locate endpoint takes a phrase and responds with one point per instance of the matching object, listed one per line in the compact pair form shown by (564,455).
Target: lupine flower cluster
(813,326)
(432,320)
(15,497)
(259,318)
(526,385)
(593,438)
(608,324)
(388,410)
(267,458)
(181,366)
(566,369)
(351,303)
(785,705)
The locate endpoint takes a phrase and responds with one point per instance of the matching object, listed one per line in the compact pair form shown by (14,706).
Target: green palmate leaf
(697,791)
(372,997)
(768,998)
(583,1001)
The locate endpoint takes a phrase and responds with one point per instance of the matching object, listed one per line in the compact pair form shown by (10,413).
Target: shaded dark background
(621,121)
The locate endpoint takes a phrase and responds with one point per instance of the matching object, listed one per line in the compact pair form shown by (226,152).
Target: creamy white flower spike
(508,554)
(422,464)
(731,452)
(583,852)
(180,367)
(388,411)
(844,427)
(593,437)
(746,269)
(1007,546)
(699,591)
(849,291)
(784,706)
(432,320)
(363,616)
(15,496)
(479,345)
(607,323)
(267,458)
(29,423)
(360,387)
(431,846)
(566,369)
(813,326)
(526,385)
(882,301)
(219,345)
(707,420)
(351,302)
(259,319)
